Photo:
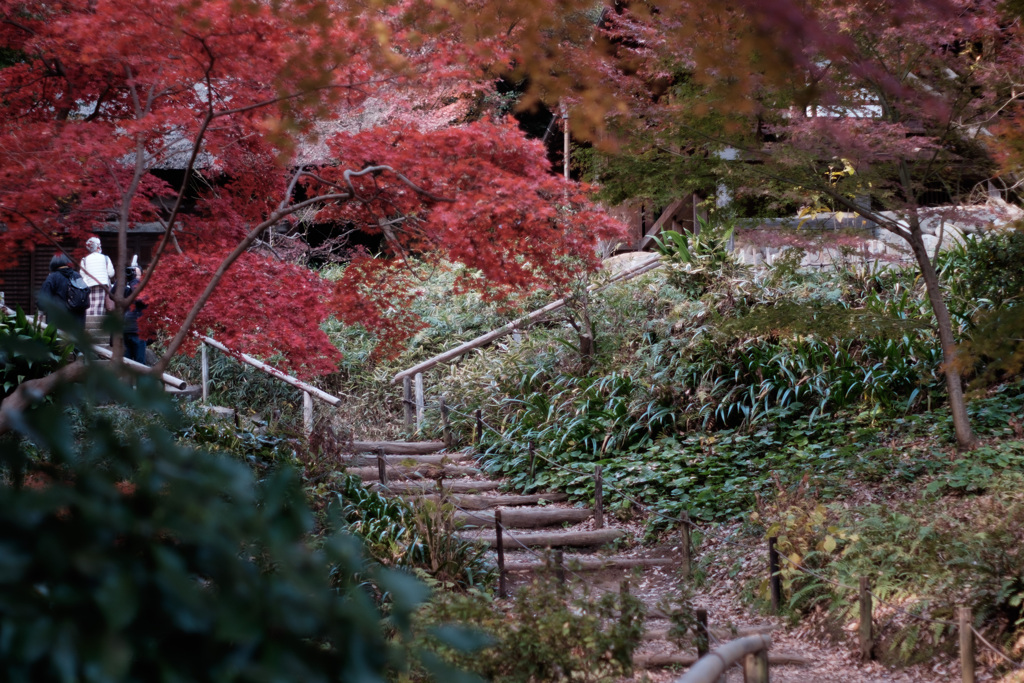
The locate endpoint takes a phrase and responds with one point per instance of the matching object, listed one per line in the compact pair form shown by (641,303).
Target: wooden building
(21,282)
(646,220)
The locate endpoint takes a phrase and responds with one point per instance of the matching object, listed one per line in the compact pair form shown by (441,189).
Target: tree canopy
(274,114)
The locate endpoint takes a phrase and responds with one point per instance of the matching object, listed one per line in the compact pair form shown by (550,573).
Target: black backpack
(78,293)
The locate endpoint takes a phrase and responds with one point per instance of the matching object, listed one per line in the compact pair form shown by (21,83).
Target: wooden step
(722,634)
(593,564)
(426,486)
(552,539)
(523,517)
(435,459)
(399,472)
(483,502)
(398,447)
(659,659)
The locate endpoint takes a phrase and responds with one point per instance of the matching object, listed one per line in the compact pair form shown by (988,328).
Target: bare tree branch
(33,391)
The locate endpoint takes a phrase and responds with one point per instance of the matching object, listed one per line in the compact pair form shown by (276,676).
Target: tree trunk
(965,438)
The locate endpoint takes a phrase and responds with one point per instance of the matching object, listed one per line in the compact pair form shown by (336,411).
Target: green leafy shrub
(129,558)
(928,558)
(27,351)
(397,534)
(697,261)
(976,472)
(546,636)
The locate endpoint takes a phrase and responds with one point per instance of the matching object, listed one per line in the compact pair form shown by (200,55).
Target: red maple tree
(277,112)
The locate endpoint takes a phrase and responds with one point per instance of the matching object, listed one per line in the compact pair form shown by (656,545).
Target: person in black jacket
(54,293)
(134,347)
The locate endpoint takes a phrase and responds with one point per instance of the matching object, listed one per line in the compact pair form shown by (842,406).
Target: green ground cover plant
(552,632)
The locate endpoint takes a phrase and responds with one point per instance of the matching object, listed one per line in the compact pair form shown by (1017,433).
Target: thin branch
(349,174)
(33,391)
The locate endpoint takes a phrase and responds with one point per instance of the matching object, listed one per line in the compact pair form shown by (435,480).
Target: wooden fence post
(702,637)
(598,499)
(500,546)
(446,427)
(407,401)
(420,403)
(560,567)
(864,629)
(755,667)
(307,413)
(533,460)
(685,545)
(382,467)
(206,372)
(479,426)
(774,579)
(966,645)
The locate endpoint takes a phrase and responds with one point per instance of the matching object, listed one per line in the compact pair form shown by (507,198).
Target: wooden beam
(468,502)
(366,459)
(420,472)
(426,486)
(556,539)
(660,223)
(523,517)
(589,564)
(169,380)
(398,447)
(661,659)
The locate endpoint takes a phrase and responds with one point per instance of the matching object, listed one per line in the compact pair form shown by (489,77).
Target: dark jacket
(131,316)
(54,293)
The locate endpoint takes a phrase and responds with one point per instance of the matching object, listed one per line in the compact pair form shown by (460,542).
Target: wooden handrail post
(774,579)
(479,426)
(500,547)
(446,427)
(685,544)
(382,467)
(864,628)
(702,636)
(755,667)
(206,371)
(420,403)
(307,413)
(598,499)
(560,567)
(407,401)
(966,645)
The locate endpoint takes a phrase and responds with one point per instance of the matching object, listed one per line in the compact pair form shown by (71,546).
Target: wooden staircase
(418,471)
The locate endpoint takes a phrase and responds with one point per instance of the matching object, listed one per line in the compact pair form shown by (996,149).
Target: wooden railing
(107,354)
(412,378)
(309,392)
(751,652)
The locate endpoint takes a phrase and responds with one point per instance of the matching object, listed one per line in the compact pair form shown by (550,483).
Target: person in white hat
(97,271)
